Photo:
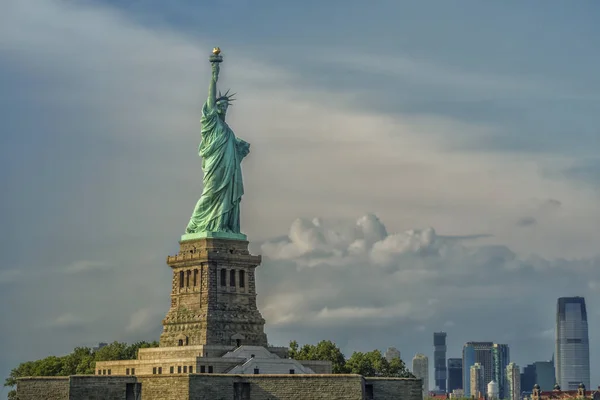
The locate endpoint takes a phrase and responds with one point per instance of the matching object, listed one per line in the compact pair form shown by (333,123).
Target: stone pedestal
(213,296)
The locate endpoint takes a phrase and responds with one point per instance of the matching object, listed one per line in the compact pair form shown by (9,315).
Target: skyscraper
(420,369)
(513,382)
(391,353)
(572,357)
(528,378)
(477,380)
(439,360)
(545,374)
(477,352)
(455,374)
(501,358)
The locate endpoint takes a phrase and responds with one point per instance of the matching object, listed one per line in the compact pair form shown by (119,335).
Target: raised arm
(212,88)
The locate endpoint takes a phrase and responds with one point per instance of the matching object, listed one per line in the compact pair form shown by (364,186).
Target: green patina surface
(218,210)
(213,235)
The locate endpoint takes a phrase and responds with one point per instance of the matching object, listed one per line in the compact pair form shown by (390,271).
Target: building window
(172,370)
(181,279)
(189,275)
(191,369)
(132,371)
(103,372)
(179,369)
(185,369)
(180,342)
(202,369)
(210,369)
(256,371)
(292,371)
(223,277)
(232,277)
(242,278)
(109,372)
(160,370)
(154,370)
(195,277)
(99,372)
(127,371)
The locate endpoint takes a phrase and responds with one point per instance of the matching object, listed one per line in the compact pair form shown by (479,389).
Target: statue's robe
(218,209)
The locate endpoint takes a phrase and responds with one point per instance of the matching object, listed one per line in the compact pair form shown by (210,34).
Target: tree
(325,350)
(372,363)
(81,361)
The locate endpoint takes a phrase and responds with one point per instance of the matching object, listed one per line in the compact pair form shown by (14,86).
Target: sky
(415,167)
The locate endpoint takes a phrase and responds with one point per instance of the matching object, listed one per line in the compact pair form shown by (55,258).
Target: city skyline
(415,168)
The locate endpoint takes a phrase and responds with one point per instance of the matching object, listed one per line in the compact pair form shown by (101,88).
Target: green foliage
(324,350)
(367,364)
(81,361)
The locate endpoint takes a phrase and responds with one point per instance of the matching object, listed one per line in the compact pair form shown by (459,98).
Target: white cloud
(317,274)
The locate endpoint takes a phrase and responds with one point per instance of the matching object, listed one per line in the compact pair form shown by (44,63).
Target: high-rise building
(572,355)
(391,353)
(501,358)
(528,378)
(477,352)
(439,360)
(455,374)
(545,374)
(513,382)
(477,380)
(541,373)
(420,369)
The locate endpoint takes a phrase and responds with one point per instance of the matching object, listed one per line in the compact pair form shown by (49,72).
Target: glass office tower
(439,360)
(477,352)
(455,374)
(501,359)
(572,357)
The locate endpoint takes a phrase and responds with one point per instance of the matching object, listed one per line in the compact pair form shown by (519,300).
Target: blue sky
(467,117)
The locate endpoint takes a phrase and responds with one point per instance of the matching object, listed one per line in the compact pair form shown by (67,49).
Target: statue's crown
(226,97)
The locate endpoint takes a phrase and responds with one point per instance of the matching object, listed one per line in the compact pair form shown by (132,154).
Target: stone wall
(221,387)
(161,353)
(305,387)
(97,387)
(272,387)
(396,388)
(160,387)
(208,308)
(48,388)
(163,367)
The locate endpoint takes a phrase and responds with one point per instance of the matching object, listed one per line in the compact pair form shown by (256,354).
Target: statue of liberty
(218,210)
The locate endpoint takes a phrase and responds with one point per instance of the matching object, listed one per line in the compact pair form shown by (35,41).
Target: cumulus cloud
(329,271)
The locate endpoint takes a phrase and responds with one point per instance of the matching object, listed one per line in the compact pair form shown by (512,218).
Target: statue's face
(222,107)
